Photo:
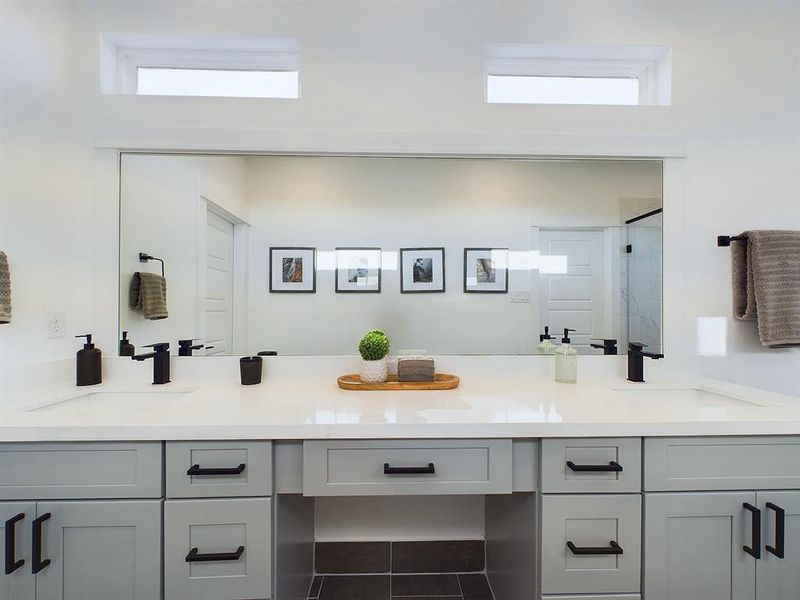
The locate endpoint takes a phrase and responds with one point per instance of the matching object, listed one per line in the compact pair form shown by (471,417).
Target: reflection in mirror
(300,255)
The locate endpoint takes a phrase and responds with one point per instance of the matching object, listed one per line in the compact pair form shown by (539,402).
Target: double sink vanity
(601,490)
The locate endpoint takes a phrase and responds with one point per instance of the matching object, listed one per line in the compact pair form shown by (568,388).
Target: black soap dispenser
(125,346)
(89,364)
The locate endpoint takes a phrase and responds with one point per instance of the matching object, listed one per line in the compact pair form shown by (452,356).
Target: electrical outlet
(54,323)
(520,297)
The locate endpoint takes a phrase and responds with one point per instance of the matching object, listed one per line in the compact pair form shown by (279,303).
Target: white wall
(163,213)
(405,77)
(393,203)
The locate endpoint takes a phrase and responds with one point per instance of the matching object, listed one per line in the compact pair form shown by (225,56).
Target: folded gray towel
(415,368)
(766,285)
(5,290)
(148,293)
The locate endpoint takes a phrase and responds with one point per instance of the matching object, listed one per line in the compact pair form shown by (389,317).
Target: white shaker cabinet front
(99,550)
(778,570)
(694,546)
(16,581)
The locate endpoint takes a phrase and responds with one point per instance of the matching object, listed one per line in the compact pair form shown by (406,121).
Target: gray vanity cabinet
(100,550)
(693,546)
(16,580)
(779,578)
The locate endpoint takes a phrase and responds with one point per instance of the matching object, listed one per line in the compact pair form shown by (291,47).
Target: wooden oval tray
(442,381)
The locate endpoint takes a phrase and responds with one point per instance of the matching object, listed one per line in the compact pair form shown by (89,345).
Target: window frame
(532,60)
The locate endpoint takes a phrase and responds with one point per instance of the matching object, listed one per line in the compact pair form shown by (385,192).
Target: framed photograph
(486,270)
(421,270)
(358,270)
(293,270)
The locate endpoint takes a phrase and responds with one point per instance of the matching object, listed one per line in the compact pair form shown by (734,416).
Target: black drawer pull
(612,548)
(388,470)
(754,549)
(612,467)
(195,556)
(11,544)
(198,470)
(780,531)
(37,564)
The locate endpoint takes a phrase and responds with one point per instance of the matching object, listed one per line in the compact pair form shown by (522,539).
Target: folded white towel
(5,289)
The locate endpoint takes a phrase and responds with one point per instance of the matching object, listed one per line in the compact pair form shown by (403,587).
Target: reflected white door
(571,284)
(219,284)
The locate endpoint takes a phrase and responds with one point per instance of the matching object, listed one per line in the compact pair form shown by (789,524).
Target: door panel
(693,547)
(101,550)
(20,584)
(779,579)
(572,284)
(219,284)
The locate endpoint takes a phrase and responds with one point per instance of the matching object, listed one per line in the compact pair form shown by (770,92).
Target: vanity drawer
(80,470)
(721,463)
(236,530)
(218,469)
(602,465)
(406,467)
(591,523)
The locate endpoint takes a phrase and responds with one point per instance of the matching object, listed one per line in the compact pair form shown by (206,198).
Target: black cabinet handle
(754,549)
(11,544)
(612,467)
(195,556)
(612,548)
(388,470)
(197,470)
(37,564)
(780,531)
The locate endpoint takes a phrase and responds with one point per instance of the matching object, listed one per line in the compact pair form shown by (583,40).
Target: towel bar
(724,241)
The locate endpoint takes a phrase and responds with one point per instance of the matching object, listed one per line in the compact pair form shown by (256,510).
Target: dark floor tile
(316,584)
(427,598)
(425,585)
(352,557)
(438,557)
(355,587)
(474,586)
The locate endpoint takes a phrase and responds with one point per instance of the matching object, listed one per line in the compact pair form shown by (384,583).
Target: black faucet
(160,356)
(609,346)
(185,347)
(636,356)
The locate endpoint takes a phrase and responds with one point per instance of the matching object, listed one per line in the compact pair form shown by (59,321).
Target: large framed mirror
(300,255)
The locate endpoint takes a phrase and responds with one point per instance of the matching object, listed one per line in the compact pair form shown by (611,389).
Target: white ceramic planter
(374,371)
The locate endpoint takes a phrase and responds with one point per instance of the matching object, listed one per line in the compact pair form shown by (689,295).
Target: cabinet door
(100,550)
(694,546)
(779,578)
(16,580)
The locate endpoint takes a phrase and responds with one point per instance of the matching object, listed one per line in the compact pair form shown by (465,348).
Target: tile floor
(400,571)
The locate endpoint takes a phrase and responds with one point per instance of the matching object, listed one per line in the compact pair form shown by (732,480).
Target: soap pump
(89,364)
(125,346)
(566,360)
(546,345)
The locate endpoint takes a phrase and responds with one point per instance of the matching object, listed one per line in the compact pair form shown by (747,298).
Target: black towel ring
(144,257)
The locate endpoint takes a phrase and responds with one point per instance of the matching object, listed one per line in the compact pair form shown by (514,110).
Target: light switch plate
(520,297)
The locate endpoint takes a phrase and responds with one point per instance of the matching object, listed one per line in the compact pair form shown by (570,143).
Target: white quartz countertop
(315,408)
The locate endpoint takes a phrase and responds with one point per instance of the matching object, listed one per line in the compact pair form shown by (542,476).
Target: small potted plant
(374,347)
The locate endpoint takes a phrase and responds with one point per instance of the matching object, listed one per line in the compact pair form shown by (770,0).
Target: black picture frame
(439,249)
(336,272)
(313,250)
(505,273)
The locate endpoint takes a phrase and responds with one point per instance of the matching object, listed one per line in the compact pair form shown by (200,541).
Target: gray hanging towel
(148,293)
(766,285)
(5,290)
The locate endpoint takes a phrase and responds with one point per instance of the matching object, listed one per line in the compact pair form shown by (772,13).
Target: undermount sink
(695,396)
(112,400)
